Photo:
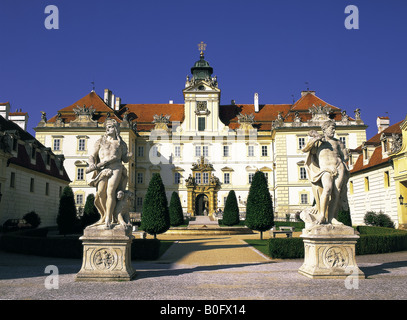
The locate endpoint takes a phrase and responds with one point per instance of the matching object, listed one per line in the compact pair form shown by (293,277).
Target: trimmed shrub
(175,210)
(380,240)
(231,213)
(259,208)
(32,218)
(286,248)
(35,242)
(90,213)
(66,219)
(380,219)
(155,218)
(373,240)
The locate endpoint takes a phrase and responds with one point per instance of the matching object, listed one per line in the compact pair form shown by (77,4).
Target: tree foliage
(32,218)
(66,218)
(175,210)
(155,218)
(90,213)
(231,211)
(345,217)
(259,207)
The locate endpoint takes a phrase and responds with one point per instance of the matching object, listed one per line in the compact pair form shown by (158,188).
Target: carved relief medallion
(104,259)
(336,257)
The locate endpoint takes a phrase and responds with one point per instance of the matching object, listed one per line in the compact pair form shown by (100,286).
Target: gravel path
(205,268)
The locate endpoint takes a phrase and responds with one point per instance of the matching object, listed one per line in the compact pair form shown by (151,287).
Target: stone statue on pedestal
(329,245)
(107,243)
(110,176)
(328,172)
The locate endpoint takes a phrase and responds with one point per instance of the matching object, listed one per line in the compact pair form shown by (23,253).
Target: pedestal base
(330,252)
(106,254)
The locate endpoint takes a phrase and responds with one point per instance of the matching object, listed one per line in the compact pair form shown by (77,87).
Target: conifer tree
(175,210)
(259,207)
(345,217)
(231,211)
(66,218)
(155,218)
(90,213)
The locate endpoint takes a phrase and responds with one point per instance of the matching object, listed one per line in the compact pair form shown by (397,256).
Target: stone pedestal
(330,252)
(106,254)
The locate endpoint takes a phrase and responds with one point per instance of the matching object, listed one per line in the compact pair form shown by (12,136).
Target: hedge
(373,240)
(380,240)
(35,242)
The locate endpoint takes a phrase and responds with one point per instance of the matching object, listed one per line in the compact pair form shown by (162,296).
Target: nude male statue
(328,172)
(110,176)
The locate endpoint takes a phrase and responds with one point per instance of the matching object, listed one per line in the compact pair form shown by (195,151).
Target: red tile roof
(143,113)
(91,99)
(377,158)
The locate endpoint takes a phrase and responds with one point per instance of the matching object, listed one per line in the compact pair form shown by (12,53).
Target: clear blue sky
(143,50)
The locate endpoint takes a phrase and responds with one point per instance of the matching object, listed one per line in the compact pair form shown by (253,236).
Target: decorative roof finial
(202,47)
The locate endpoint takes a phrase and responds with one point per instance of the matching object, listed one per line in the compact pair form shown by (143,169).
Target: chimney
(118,103)
(233,102)
(171,101)
(303,93)
(112,101)
(5,110)
(256,102)
(382,123)
(20,118)
(107,97)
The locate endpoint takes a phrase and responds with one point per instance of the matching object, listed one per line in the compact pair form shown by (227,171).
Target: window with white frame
(57,144)
(205,151)
(79,199)
(197,151)
(226,151)
(81,144)
(198,177)
(205,177)
(264,151)
(251,175)
(226,177)
(303,173)
(139,201)
(250,151)
(301,142)
(177,151)
(80,174)
(304,198)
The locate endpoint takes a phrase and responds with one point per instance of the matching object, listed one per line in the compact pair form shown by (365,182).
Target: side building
(373,185)
(32,177)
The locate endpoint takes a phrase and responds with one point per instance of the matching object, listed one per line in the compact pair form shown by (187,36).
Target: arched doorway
(201,205)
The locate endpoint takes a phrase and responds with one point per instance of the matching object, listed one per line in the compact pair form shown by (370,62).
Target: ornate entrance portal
(203,189)
(201,205)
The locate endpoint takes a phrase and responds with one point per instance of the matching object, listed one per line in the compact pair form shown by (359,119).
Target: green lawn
(258,244)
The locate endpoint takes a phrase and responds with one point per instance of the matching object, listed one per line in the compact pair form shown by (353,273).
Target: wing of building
(202,148)
(379,174)
(32,177)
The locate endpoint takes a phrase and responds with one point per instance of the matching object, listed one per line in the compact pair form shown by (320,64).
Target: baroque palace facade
(202,149)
